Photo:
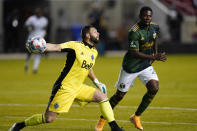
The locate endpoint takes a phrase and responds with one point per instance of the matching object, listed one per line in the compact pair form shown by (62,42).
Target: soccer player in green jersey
(69,86)
(137,63)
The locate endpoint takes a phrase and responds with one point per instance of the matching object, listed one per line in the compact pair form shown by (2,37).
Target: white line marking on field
(123,121)
(123,107)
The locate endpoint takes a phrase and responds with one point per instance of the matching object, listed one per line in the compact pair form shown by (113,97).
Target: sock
(114,126)
(27,62)
(114,100)
(37,58)
(35,120)
(19,126)
(146,100)
(106,110)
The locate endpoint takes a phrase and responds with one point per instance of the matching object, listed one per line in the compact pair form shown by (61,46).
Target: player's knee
(103,97)
(99,96)
(154,90)
(153,87)
(119,95)
(50,117)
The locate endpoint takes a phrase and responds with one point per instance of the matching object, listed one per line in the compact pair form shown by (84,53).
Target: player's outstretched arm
(140,55)
(96,82)
(53,47)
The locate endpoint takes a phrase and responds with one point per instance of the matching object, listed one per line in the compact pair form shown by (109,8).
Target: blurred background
(24,93)
(113,19)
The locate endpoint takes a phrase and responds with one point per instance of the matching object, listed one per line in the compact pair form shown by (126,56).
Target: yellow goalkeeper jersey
(80,59)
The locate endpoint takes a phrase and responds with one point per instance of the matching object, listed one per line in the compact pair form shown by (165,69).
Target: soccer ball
(36,44)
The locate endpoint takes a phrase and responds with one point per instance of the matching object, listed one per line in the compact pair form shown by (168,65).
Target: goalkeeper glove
(100,86)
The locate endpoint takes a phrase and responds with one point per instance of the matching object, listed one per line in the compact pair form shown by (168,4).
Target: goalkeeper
(69,86)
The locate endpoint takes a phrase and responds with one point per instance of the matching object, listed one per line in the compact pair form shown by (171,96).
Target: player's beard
(94,39)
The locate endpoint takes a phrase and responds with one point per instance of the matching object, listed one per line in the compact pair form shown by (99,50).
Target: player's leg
(125,80)
(90,94)
(27,61)
(106,109)
(36,119)
(150,79)
(60,101)
(114,100)
(152,89)
(37,58)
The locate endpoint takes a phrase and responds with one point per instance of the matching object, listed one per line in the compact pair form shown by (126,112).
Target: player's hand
(160,56)
(100,86)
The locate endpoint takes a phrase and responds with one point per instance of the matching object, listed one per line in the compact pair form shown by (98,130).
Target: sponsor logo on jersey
(86,65)
(147,45)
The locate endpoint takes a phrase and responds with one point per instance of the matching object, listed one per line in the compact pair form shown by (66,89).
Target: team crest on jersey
(154,35)
(82,53)
(92,57)
(56,105)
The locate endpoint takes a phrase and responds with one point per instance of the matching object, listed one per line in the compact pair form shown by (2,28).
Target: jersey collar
(86,44)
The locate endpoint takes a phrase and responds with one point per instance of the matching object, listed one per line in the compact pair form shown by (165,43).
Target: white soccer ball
(36,45)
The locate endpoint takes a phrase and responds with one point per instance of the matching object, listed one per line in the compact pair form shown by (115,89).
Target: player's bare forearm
(53,48)
(155,47)
(140,55)
(155,51)
(91,75)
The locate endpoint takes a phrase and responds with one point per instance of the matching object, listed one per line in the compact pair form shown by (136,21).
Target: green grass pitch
(173,109)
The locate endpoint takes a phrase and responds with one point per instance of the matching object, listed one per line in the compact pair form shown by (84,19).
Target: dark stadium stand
(184,6)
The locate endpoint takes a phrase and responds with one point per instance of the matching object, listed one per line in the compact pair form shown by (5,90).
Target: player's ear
(88,35)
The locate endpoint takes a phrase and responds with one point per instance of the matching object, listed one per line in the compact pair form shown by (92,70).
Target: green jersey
(143,40)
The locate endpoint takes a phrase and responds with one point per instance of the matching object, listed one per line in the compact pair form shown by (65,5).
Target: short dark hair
(145,8)
(85,30)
